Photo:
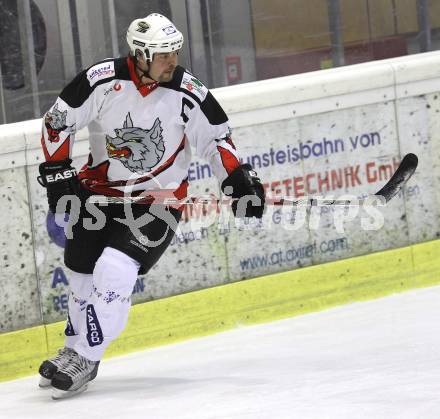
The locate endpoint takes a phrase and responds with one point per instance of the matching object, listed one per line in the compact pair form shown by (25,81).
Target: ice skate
(74,377)
(49,367)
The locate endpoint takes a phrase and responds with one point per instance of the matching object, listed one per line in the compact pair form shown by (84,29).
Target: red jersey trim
(62,153)
(98,174)
(229,161)
(150,196)
(96,178)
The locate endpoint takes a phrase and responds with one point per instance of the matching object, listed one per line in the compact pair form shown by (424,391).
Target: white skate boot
(49,367)
(74,377)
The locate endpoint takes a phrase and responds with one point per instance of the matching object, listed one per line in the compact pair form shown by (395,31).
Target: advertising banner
(346,153)
(19,296)
(326,150)
(419,132)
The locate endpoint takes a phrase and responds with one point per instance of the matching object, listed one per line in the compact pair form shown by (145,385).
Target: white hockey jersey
(138,134)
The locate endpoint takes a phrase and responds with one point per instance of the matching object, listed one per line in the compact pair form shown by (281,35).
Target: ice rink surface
(377,359)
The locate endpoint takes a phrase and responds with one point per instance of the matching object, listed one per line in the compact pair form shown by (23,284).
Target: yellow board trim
(21,352)
(252,301)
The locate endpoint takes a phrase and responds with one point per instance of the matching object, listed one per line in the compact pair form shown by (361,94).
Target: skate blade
(44,382)
(58,394)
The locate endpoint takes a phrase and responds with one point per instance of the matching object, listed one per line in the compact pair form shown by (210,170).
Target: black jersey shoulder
(199,93)
(174,84)
(179,83)
(86,81)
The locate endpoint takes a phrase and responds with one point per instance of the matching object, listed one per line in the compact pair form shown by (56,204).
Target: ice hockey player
(144,114)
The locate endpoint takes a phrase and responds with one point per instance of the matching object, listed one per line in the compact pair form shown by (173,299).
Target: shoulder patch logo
(138,149)
(56,119)
(193,85)
(55,122)
(100,72)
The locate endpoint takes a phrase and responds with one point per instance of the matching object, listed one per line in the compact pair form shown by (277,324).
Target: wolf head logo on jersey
(139,150)
(55,122)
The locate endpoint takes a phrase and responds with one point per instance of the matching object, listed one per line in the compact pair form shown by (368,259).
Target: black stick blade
(406,169)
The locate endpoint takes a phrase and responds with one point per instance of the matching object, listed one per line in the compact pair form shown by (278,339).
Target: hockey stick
(403,173)
(398,180)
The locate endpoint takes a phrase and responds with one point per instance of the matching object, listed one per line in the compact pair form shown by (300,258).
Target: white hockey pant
(99,311)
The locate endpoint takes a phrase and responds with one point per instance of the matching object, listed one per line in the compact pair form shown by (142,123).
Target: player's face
(163,65)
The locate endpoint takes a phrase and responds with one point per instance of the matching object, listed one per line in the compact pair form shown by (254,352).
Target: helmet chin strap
(144,73)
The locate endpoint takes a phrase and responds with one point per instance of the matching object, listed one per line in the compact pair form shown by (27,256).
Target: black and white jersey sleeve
(207,127)
(77,105)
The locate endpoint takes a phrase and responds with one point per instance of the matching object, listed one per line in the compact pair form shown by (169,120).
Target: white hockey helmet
(152,34)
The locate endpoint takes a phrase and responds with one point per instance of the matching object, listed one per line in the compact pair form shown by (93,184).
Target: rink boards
(333,132)
(248,302)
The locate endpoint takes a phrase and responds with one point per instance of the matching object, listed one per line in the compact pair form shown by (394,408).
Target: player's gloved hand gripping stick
(60,179)
(243,181)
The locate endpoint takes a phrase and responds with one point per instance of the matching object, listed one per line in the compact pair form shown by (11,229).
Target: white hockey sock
(114,277)
(80,289)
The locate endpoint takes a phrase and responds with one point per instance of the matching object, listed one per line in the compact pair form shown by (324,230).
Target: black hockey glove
(60,179)
(244,183)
